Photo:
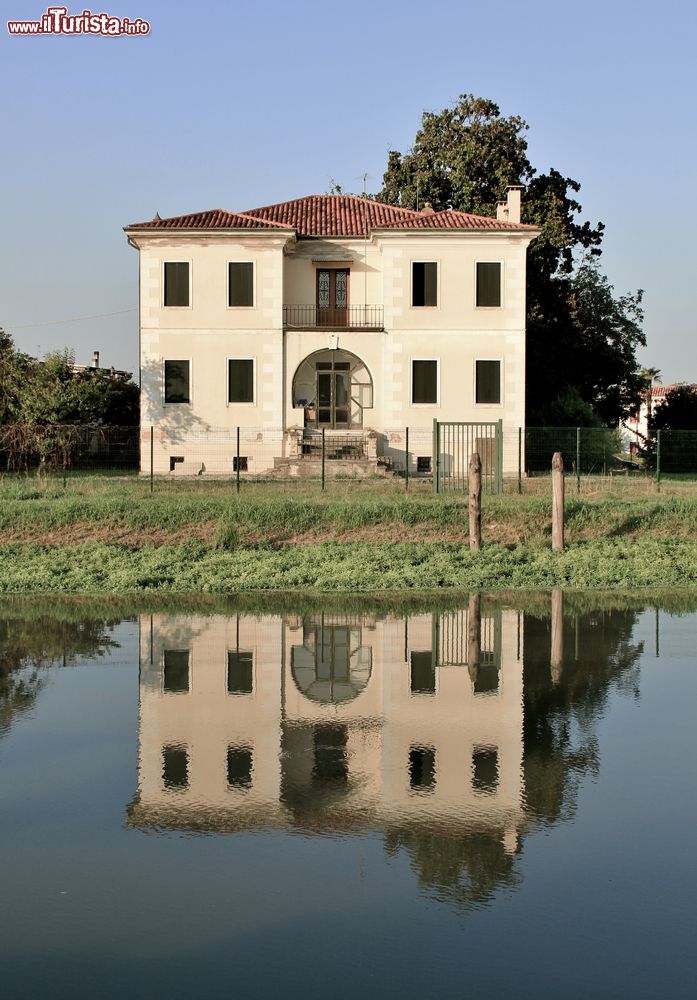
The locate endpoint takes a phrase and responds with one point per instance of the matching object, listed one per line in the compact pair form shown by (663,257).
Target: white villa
(333,314)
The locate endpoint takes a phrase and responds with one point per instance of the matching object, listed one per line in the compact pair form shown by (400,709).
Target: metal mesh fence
(406,457)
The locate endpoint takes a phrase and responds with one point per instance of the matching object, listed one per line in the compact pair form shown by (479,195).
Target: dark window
(331,759)
(423,673)
(424,283)
(423,463)
(240,380)
(241,463)
(174,461)
(488,389)
(177,388)
(175,767)
(485,769)
(424,381)
(239,767)
(176,283)
(239,671)
(422,768)
(488,284)
(241,283)
(487,680)
(176,670)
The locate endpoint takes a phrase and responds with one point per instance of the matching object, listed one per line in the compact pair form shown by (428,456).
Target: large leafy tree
(580,337)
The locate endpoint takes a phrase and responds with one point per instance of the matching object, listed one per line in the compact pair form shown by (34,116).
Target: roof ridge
(309,197)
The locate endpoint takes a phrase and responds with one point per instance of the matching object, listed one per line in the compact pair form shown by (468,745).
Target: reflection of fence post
(658,461)
(475,501)
(237,461)
(323,456)
(520,459)
(406,458)
(557,502)
(152,458)
(578,459)
(557,657)
(474,626)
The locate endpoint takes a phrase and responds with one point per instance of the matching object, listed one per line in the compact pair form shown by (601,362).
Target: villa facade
(328,313)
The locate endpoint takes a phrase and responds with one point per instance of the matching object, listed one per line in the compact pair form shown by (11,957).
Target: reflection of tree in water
(559,719)
(464,870)
(559,749)
(28,646)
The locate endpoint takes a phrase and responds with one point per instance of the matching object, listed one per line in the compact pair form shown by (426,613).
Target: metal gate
(453,444)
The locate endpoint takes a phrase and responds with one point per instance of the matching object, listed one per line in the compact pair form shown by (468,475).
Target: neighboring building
(95,368)
(332,313)
(636,427)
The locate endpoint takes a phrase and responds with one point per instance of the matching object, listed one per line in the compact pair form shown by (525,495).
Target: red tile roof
(216,218)
(332,215)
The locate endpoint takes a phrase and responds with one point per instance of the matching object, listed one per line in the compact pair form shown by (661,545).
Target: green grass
(196,568)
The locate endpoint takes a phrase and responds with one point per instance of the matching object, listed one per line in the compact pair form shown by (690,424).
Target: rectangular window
(176,670)
(176,283)
(422,768)
(240,674)
(240,380)
(488,382)
(240,283)
(488,283)
(177,382)
(239,767)
(424,283)
(485,769)
(175,767)
(424,382)
(423,673)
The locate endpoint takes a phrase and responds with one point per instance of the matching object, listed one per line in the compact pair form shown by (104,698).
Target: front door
(332,297)
(333,394)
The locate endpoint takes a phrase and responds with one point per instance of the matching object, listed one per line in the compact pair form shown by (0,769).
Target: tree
(648,377)
(15,369)
(676,417)
(463,158)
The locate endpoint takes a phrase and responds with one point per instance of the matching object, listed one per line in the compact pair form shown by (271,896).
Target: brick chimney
(428,209)
(509,210)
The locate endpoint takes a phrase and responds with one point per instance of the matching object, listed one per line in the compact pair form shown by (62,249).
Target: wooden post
(475,501)
(474,632)
(557,502)
(557,657)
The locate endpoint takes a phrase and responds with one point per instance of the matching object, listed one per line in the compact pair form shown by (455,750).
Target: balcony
(349,318)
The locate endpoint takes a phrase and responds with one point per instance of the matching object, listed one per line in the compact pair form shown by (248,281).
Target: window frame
(254,380)
(500,403)
(501,285)
(191,382)
(419,260)
(241,694)
(177,260)
(411,382)
(254,285)
(179,649)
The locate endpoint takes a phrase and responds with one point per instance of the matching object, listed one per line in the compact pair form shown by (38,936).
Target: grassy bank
(98,567)
(209,541)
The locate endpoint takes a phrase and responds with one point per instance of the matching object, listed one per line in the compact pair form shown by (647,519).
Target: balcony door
(332,297)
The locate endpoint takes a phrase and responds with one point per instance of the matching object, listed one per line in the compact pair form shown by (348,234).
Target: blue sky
(232,105)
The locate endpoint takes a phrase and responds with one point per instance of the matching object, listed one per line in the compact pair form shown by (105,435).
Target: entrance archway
(333,388)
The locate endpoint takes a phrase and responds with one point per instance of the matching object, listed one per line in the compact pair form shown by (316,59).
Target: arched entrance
(333,388)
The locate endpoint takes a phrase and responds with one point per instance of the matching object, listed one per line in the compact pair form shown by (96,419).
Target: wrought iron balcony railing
(349,318)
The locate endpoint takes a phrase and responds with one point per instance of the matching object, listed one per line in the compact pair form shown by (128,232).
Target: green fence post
(406,459)
(152,458)
(237,461)
(499,457)
(323,457)
(578,459)
(658,461)
(520,459)
(436,457)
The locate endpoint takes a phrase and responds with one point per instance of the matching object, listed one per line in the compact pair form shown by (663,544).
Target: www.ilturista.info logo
(57,21)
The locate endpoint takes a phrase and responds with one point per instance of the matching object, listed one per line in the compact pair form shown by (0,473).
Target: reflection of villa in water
(331,723)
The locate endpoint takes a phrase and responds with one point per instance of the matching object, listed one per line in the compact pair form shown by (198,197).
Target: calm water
(486,801)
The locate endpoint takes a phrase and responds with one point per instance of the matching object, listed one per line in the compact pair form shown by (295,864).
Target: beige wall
(383,723)
(208,333)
